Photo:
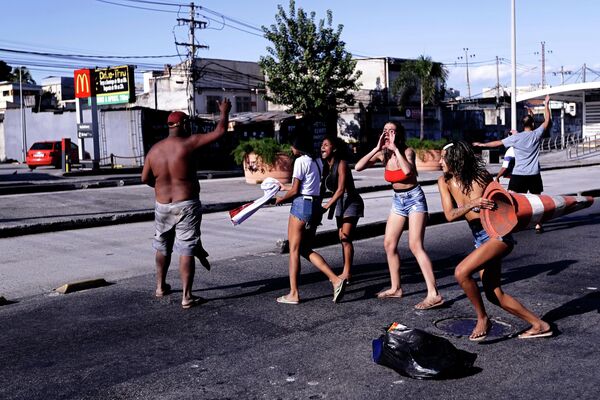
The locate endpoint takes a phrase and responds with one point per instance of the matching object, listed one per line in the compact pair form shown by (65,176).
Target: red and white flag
(270,186)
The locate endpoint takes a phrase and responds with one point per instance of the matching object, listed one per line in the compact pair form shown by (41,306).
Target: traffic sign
(84,131)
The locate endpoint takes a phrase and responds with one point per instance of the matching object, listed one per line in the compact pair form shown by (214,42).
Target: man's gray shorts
(177,227)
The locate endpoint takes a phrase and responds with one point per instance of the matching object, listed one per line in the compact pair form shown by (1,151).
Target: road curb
(81,285)
(105,220)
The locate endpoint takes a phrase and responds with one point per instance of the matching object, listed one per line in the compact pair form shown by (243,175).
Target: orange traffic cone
(516,211)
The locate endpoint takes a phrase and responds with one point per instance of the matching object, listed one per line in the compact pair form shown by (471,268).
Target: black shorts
(526,183)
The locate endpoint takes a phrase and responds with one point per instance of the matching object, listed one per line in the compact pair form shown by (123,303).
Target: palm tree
(423,74)
(25,75)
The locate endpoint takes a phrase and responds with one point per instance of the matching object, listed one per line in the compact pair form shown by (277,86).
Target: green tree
(424,75)
(5,72)
(25,75)
(307,67)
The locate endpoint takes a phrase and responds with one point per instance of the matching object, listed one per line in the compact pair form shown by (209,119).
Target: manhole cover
(463,326)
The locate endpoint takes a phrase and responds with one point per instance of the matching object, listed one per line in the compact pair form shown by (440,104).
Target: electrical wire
(136,7)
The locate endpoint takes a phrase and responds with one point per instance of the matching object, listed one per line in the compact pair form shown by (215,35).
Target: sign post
(84,88)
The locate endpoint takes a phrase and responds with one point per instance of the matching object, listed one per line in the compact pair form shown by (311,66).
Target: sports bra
(396,176)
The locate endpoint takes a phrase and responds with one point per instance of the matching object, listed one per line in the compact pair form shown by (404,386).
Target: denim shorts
(308,210)
(410,201)
(480,236)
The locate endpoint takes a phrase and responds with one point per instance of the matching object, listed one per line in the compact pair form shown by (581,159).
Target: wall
(39,127)
(120,128)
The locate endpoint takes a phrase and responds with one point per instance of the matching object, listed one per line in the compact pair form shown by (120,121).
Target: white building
(172,89)
(10,93)
(376,104)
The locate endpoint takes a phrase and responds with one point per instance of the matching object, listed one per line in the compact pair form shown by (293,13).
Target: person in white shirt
(508,163)
(305,216)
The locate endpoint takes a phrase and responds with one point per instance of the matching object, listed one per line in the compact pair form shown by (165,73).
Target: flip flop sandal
(338,291)
(428,305)
(285,300)
(526,335)
(165,292)
(196,301)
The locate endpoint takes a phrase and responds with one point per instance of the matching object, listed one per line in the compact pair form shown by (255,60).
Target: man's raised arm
(206,138)
(547,115)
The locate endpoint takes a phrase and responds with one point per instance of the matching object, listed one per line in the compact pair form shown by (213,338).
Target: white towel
(271,186)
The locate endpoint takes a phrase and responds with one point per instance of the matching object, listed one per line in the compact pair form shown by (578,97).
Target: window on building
(243,104)
(212,106)
(6,93)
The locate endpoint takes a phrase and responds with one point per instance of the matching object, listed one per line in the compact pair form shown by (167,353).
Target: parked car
(49,153)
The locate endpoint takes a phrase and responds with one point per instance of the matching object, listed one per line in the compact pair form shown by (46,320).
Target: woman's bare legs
(300,240)
(488,260)
(295,231)
(416,236)
(315,258)
(346,232)
(393,230)
(490,278)
(474,262)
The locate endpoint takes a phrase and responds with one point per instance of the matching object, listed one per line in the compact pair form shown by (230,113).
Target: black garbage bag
(421,355)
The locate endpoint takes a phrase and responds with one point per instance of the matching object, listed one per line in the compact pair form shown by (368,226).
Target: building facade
(173,88)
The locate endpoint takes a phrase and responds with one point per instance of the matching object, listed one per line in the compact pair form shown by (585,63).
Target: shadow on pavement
(20,176)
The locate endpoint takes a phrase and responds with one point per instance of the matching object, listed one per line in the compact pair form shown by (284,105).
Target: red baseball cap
(176,117)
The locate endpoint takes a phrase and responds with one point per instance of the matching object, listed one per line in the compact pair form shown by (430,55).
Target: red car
(49,153)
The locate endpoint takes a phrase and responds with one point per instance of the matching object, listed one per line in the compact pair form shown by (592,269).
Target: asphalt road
(119,342)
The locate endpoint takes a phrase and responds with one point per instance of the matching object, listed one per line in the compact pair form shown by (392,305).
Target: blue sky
(406,29)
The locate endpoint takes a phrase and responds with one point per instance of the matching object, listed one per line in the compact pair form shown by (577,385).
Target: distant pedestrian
(508,163)
(345,203)
(305,216)
(170,168)
(461,189)
(526,175)
(408,206)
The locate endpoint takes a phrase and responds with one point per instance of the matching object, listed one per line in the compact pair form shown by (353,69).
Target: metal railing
(556,142)
(587,145)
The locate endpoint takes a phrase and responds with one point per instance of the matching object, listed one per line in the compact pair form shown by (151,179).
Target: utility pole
(513,61)
(23,128)
(192,47)
(466,58)
(562,74)
(543,53)
(498,96)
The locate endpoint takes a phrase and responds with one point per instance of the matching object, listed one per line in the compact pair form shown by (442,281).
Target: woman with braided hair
(461,188)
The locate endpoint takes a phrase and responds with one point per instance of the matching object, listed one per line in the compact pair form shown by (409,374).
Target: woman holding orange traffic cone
(461,188)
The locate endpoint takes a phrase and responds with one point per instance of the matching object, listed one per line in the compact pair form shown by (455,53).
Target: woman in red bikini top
(409,207)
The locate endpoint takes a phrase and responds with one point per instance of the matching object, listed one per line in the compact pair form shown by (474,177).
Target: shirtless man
(170,168)
(461,189)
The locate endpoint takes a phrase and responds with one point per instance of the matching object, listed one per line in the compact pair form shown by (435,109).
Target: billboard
(83,83)
(114,85)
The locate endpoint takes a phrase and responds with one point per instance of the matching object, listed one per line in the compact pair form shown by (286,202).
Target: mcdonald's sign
(84,87)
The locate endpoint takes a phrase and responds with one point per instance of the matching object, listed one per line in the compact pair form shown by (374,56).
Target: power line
(136,7)
(45,54)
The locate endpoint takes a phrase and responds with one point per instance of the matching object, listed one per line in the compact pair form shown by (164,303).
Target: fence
(587,145)
(112,161)
(556,142)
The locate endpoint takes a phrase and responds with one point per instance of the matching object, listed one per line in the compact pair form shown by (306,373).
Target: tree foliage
(5,72)
(424,75)
(307,67)
(25,75)
(12,74)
